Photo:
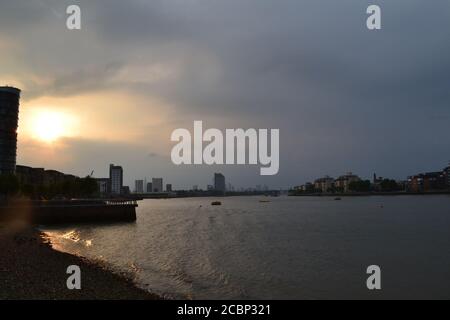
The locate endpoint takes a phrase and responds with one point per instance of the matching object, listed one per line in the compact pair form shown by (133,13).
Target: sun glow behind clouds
(49,126)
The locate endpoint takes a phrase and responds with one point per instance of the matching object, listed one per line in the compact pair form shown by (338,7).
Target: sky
(343,97)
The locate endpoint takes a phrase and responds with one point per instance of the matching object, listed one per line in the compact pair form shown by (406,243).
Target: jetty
(68,211)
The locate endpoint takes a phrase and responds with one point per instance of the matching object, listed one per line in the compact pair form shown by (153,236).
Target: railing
(123,202)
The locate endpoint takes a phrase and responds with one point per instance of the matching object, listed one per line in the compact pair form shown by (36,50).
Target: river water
(288,248)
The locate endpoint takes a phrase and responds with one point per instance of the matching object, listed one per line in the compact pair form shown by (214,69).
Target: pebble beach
(30,269)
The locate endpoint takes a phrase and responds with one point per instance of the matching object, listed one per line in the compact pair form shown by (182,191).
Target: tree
(389,185)
(360,186)
(70,187)
(9,184)
(88,187)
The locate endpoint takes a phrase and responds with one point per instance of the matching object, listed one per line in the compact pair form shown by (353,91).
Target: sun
(49,126)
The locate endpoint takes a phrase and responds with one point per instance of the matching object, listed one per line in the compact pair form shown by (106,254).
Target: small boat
(264,201)
(337,199)
(216,203)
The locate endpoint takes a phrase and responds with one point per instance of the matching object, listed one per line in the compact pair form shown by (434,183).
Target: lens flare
(49,126)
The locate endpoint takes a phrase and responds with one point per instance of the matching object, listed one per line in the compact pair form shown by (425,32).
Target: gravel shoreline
(30,269)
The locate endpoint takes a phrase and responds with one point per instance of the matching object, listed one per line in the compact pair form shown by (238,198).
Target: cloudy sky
(344,98)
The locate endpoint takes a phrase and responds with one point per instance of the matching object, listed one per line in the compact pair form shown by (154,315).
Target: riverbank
(366,194)
(31,269)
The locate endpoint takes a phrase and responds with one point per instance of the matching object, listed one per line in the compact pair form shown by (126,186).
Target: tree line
(86,187)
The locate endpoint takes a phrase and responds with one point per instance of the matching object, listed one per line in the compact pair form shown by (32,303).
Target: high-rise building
(219,182)
(157,184)
(168,187)
(139,186)
(116,177)
(149,187)
(9,118)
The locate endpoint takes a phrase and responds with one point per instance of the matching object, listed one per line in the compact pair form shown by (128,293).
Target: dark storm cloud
(20,14)
(282,55)
(267,53)
(85,79)
(344,97)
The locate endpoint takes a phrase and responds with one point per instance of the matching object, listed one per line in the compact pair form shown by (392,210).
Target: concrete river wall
(73,211)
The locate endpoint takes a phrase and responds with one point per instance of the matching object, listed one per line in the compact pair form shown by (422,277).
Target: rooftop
(10,89)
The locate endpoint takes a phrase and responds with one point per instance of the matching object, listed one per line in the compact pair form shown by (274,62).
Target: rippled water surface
(288,248)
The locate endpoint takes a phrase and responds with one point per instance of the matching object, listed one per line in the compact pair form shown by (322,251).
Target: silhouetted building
(325,184)
(427,182)
(52,177)
(116,177)
(139,186)
(415,183)
(219,182)
(342,184)
(447,174)
(306,188)
(377,183)
(125,190)
(157,184)
(103,185)
(435,181)
(9,118)
(149,187)
(402,184)
(30,176)
(168,187)
(41,177)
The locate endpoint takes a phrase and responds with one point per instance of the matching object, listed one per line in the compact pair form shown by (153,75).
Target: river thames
(288,248)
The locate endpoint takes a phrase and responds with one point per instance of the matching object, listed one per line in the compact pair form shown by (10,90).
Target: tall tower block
(9,118)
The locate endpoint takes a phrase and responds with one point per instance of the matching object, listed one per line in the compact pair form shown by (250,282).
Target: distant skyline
(344,98)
